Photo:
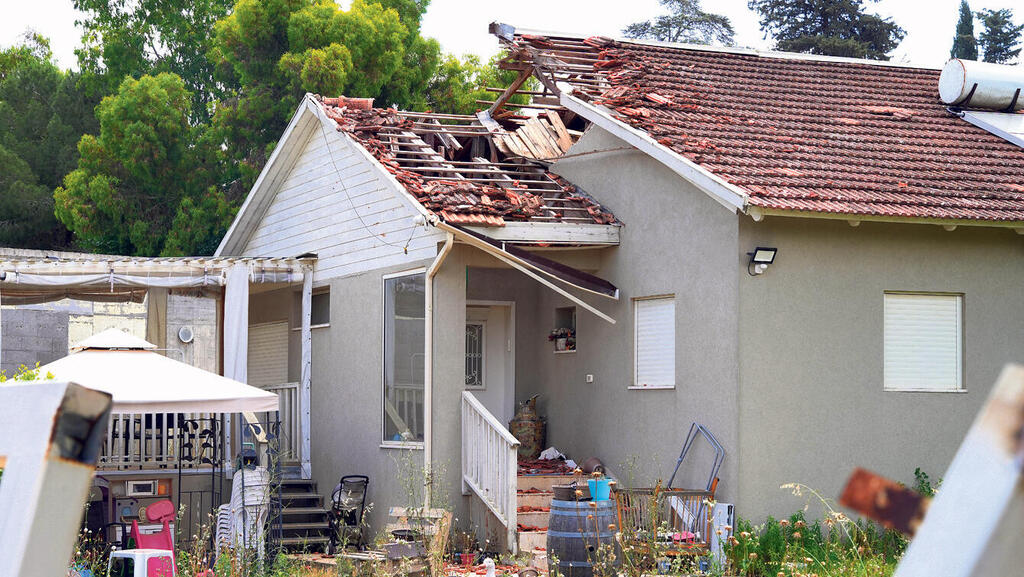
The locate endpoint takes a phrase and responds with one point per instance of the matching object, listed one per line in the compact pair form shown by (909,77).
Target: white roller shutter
(655,342)
(923,342)
(268,354)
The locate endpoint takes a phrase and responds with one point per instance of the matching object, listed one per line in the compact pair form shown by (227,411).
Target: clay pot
(528,428)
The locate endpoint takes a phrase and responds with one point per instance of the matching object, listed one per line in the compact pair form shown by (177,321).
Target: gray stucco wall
(346,394)
(677,240)
(811,405)
(504,284)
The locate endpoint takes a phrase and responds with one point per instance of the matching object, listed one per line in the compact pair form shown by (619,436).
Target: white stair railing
(289,413)
(490,463)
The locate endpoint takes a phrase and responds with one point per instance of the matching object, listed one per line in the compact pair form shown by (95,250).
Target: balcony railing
(163,441)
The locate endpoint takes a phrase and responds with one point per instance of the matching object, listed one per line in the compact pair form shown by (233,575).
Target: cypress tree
(1000,39)
(964,44)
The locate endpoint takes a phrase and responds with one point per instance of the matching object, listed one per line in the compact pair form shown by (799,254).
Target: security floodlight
(760,259)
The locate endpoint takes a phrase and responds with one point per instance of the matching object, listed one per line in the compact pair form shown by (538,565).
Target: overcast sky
(461,25)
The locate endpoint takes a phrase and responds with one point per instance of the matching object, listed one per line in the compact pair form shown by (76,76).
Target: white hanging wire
(340,181)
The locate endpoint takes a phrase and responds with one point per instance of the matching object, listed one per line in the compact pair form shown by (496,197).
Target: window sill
(564,352)
(940,391)
(417,445)
(651,387)
(321,326)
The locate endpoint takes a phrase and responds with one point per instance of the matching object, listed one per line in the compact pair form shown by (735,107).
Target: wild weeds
(834,546)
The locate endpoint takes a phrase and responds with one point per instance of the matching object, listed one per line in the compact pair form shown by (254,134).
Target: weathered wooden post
(975,525)
(50,439)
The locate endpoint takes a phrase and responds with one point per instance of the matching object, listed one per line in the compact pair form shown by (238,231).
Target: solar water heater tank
(982,85)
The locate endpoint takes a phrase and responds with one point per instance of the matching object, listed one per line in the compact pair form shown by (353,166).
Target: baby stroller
(348,502)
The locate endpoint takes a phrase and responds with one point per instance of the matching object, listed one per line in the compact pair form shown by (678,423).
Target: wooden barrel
(575,531)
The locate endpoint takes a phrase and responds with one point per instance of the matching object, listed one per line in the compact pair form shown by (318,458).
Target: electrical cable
(337,172)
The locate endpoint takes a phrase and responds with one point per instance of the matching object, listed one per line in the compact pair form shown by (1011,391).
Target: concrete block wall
(31,336)
(87,319)
(44,332)
(201,315)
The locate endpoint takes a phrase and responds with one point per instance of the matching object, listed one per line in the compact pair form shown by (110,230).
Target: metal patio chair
(348,503)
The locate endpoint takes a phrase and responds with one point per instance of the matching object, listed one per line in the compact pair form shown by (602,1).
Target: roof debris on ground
(794,133)
(472,170)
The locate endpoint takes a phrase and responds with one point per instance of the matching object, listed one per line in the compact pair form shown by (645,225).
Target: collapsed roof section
(472,170)
(793,133)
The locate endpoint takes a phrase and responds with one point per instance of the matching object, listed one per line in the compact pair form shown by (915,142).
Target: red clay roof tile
(475,192)
(808,135)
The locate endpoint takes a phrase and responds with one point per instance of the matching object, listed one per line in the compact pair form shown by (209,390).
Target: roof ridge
(738,50)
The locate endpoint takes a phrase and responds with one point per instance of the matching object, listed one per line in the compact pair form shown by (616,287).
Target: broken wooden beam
(512,88)
(889,503)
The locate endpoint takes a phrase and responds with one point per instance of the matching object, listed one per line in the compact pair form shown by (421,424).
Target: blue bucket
(600,489)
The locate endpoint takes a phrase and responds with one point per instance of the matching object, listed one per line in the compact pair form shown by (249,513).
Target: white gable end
(337,202)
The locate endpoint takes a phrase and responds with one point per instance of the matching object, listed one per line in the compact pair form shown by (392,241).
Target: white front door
(490,357)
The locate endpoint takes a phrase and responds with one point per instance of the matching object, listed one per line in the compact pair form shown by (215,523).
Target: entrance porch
(509,351)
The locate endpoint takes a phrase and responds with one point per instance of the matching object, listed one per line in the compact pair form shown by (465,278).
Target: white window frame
(483,355)
(636,386)
(960,384)
(383,369)
(320,291)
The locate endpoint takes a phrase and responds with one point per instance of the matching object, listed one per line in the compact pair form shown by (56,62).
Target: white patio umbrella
(141,380)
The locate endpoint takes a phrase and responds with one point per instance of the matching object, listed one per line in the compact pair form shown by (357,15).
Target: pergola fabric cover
(33,277)
(141,380)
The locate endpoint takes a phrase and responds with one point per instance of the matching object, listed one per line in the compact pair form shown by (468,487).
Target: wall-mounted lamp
(760,259)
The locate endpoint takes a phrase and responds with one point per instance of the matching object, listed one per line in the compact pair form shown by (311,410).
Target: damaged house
(811,256)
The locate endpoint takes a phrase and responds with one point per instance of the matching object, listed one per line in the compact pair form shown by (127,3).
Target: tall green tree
(965,45)
(26,207)
(276,50)
(686,22)
(146,170)
(830,27)
(1001,38)
(460,83)
(140,37)
(42,115)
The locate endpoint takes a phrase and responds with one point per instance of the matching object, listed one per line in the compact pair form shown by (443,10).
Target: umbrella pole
(180,456)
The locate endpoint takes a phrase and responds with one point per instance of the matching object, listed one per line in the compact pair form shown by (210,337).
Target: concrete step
(534,518)
(543,482)
(303,511)
(529,541)
(299,495)
(298,485)
(303,499)
(317,543)
(322,525)
(534,499)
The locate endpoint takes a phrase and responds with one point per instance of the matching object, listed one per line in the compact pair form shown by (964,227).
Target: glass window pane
(320,309)
(474,355)
(404,346)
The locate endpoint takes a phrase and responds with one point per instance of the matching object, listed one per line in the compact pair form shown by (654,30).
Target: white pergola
(30,277)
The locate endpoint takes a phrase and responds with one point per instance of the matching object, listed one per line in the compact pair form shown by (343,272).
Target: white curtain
(236,322)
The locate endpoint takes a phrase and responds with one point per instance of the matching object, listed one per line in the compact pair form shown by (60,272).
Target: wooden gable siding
(347,212)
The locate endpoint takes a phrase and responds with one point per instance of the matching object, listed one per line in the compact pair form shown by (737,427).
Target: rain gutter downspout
(428,373)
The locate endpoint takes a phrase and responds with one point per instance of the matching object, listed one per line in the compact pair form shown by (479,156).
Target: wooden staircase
(304,517)
(534,491)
